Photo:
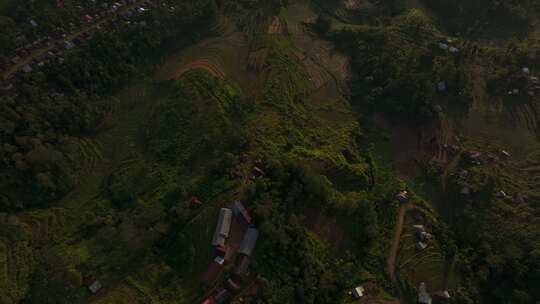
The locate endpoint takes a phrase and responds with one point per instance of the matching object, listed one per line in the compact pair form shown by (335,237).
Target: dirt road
(398,229)
(394,247)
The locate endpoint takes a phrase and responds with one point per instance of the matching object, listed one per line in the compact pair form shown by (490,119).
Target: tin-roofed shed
(248,242)
(223,227)
(224,222)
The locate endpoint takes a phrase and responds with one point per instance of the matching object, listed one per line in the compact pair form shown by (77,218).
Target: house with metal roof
(223,227)
(241,212)
(248,242)
(358,292)
(423,296)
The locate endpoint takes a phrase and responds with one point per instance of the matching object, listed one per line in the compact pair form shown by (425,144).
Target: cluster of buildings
(50,49)
(422,238)
(447,46)
(223,252)
(526,83)
(476,158)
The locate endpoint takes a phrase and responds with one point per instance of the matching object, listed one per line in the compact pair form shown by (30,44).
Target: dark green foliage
(55,280)
(397,68)
(66,100)
(124,185)
(294,263)
(286,81)
(196,121)
(322,25)
(473,17)
(498,237)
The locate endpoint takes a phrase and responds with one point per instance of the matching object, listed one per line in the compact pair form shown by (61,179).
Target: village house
(441,86)
(95,286)
(423,296)
(421,236)
(26,68)
(358,292)
(241,213)
(248,242)
(223,227)
(220,260)
(441,296)
(402,196)
(501,194)
(257,172)
(68,44)
(443,46)
(209,300)
(475,157)
(505,154)
(221,251)
(194,203)
(420,246)
(453,50)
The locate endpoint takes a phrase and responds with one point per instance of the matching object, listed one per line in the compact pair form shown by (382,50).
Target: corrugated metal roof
(239,210)
(224,222)
(249,241)
(223,227)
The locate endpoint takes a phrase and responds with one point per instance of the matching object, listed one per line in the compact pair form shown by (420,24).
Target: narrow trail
(398,229)
(394,247)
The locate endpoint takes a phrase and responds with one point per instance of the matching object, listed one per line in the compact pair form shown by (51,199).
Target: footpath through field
(394,247)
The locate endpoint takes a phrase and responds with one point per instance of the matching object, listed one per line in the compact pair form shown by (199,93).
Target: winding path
(398,229)
(391,261)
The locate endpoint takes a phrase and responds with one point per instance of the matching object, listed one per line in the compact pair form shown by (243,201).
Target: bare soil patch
(275,26)
(327,228)
(405,147)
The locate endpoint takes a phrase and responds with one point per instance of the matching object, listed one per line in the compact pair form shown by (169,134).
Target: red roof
(210,300)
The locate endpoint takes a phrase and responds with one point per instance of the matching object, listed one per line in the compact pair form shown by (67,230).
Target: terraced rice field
(317,74)
(427,266)
(209,65)
(224,57)
(16,260)
(90,151)
(108,118)
(257,59)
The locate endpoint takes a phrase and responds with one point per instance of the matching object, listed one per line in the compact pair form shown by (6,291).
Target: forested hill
(67,93)
(487,18)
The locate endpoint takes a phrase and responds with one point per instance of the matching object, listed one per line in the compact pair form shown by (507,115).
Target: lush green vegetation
(398,67)
(70,99)
(101,157)
(499,18)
